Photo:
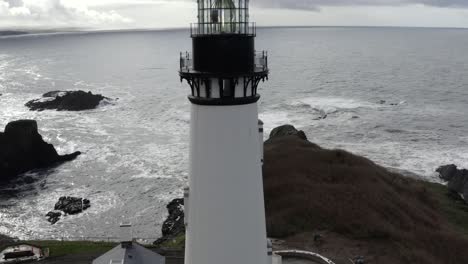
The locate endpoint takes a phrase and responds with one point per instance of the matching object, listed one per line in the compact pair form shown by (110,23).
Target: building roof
(135,254)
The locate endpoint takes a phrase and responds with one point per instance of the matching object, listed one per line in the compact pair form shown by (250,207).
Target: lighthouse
(226,214)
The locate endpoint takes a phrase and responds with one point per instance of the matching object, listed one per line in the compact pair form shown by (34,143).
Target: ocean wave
(334,104)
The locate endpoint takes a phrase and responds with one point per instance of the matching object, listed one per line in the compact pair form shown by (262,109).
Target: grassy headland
(358,207)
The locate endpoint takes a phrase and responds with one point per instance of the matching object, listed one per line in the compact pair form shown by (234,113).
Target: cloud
(56,13)
(316,4)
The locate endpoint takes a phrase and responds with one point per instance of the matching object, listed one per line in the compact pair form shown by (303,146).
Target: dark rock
(72,205)
(287,130)
(457,179)
(22,149)
(447,172)
(66,101)
(174,224)
(53,217)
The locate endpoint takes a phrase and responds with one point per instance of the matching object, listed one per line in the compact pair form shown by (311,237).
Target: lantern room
(223,17)
(223,68)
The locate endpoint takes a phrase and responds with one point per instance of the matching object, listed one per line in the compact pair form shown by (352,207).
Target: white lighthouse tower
(226,219)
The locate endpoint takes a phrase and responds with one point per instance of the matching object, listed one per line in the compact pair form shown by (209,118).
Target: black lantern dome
(223,68)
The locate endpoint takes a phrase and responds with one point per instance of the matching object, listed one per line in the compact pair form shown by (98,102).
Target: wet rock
(174,224)
(457,179)
(53,216)
(22,149)
(287,130)
(66,101)
(69,206)
(447,172)
(72,205)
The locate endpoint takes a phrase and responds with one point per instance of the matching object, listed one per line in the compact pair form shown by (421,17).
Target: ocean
(398,96)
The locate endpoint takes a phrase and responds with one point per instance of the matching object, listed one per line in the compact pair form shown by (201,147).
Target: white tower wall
(226,220)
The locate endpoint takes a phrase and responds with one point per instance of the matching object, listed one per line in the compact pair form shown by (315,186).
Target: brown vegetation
(310,189)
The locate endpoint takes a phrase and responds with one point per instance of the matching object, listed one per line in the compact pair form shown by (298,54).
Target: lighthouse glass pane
(222,16)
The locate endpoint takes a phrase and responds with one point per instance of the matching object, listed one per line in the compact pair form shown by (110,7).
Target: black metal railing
(260,61)
(242,28)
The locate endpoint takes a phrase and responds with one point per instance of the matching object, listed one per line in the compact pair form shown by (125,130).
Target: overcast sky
(122,14)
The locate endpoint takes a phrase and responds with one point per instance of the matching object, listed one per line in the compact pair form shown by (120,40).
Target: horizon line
(71,30)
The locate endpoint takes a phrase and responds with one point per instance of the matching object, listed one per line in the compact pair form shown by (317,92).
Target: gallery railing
(243,28)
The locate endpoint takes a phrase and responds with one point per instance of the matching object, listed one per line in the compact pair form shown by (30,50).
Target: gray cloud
(315,4)
(55,13)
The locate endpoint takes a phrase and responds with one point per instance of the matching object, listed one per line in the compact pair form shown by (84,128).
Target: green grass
(455,212)
(177,243)
(61,248)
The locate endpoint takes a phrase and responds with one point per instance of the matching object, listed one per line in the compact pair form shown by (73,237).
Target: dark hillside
(310,189)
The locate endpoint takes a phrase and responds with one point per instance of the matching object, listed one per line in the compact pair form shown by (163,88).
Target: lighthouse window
(214,16)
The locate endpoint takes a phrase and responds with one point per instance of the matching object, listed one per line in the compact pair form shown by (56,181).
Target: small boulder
(53,217)
(447,172)
(287,130)
(66,101)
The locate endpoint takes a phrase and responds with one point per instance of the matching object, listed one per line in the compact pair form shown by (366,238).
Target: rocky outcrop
(72,205)
(287,130)
(457,179)
(174,224)
(22,149)
(69,206)
(66,101)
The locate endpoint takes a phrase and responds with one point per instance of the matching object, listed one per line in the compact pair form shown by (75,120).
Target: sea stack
(224,207)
